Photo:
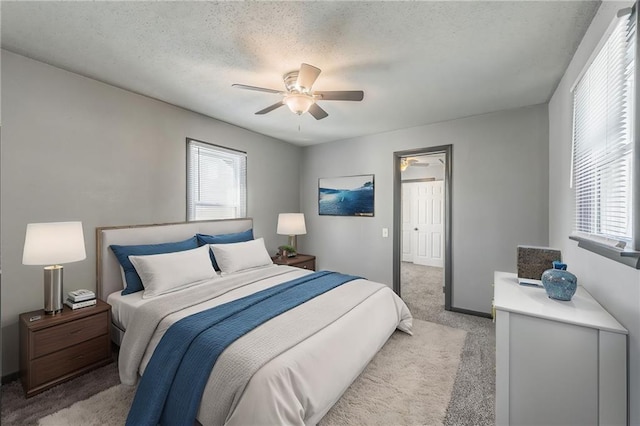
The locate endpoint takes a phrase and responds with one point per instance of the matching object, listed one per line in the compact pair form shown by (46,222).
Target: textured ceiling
(417,62)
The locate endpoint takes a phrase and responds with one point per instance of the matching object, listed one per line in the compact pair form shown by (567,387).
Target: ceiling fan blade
(317,112)
(257,89)
(307,76)
(270,108)
(340,95)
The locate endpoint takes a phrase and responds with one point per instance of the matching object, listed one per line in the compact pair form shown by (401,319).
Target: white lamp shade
(53,243)
(291,224)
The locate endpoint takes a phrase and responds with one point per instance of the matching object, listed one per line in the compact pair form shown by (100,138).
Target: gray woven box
(533,261)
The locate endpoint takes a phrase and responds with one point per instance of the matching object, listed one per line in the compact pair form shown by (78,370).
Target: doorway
(422,227)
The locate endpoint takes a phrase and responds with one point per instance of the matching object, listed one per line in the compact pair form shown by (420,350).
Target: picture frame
(347,196)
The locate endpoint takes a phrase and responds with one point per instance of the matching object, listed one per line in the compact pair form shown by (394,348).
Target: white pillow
(123,276)
(234,257)
(167,272)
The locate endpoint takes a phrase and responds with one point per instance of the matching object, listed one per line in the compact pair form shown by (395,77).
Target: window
(603,139)
(216,182)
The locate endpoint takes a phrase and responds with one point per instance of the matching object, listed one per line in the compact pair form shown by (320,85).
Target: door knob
(415,229)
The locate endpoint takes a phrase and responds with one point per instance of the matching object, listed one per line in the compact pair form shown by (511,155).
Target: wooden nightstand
(57,348)
(304,261)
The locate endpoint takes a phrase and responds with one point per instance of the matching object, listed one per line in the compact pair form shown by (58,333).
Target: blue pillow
(134,283)
(238,237)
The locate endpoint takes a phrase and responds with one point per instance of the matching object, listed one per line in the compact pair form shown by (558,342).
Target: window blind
(603,137)
(216,182)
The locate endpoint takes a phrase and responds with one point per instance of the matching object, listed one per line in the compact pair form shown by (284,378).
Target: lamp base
(293,242)
(53,289)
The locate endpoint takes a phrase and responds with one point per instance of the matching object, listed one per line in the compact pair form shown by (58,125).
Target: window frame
(187,173)
(629,256)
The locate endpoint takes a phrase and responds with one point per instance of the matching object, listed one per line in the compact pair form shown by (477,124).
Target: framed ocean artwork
(346,196)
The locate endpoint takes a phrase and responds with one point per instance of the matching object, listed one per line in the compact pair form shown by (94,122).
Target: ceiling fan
(411,162)
(406,162)
(298,95)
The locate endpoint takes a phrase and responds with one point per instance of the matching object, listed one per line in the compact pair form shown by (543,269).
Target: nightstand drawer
(59,337)
(57,348)
(70,360)
(309,264)
(302,261)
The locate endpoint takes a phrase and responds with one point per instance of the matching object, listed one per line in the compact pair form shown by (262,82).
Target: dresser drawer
(52,339)
(309,264)
(69,360)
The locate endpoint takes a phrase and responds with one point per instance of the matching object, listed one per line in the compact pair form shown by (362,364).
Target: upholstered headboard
(109,278)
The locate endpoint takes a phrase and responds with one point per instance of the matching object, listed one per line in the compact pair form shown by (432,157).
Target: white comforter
(290,370)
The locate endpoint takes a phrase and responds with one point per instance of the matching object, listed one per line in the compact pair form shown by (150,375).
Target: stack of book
(80,299)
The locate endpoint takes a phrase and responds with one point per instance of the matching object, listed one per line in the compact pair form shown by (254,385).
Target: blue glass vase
(559,283)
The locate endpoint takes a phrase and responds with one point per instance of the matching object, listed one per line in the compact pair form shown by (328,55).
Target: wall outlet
(385,232)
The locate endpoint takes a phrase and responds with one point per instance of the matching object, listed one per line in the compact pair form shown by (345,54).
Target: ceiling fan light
(299,103)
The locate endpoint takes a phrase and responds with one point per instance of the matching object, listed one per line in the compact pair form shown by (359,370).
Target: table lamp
(291,224)
(52,244)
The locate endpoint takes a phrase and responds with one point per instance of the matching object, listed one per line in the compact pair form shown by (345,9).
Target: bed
(289,370)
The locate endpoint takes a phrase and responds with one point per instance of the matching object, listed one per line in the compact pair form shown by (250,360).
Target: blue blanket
(173,383)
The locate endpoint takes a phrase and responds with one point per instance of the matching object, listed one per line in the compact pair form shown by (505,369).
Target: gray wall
(614,285)
(500,184)
(77,149)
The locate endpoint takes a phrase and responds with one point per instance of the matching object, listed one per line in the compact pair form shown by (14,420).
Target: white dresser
(557,363)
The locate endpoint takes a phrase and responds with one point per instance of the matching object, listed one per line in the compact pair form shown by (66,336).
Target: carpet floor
(19,411)
(472,397)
